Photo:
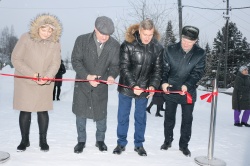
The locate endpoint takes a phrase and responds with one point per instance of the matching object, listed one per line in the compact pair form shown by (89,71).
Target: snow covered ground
(232,144)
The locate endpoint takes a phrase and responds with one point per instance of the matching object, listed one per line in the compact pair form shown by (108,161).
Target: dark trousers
(186,123)
(56,93)
(25,121)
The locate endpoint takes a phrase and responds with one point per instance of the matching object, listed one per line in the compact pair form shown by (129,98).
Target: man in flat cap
(183,66)
(95,57)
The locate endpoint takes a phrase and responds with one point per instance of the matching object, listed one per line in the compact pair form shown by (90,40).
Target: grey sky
(78,16)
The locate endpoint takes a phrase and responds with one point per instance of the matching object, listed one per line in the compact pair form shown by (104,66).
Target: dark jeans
(186,123)
(140,117)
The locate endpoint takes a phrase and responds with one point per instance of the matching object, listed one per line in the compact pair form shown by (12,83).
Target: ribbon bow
(209,96)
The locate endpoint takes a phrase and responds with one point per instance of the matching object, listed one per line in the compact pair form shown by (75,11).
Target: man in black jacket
(140,69)
(183,67)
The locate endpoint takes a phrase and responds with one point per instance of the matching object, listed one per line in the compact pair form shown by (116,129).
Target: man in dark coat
(140,69)
(95,56)
(58,84)
(183,67)
(241,97)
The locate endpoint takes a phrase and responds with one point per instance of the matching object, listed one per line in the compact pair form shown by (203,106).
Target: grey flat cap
(104,25)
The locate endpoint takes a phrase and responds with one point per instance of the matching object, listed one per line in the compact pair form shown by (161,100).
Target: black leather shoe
(101,145)
(166,145)
(141,151)
(245,124)
(119,149)
(185,151)
(238,124)
(79,147)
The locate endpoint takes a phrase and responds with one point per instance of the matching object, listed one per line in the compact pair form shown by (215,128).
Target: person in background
(36,54)
(140,68)
(158,100)
(95,56)
(241,97)
(58,84)
(183,66)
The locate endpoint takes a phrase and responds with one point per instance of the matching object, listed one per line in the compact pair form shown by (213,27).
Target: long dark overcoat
(91,102)
(241,92)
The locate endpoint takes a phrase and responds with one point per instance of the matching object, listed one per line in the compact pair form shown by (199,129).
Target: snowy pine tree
(238,52)
(169,35)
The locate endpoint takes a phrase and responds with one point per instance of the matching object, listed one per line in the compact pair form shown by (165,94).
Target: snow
(231,144)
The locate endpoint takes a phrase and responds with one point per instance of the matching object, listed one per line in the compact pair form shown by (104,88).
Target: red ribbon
(189,97)
(209,96)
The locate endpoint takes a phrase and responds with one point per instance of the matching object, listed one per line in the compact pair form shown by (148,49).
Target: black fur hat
(190,32)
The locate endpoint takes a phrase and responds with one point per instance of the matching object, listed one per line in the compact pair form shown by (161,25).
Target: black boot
(245,124)
(79,147)
(166,145)
(101,145)
(185,151)
(43,123)
(24,143)
(141,151)
(43,143)
(24,123)
(238,124)
(149,107)
(158,111)
(119,149)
